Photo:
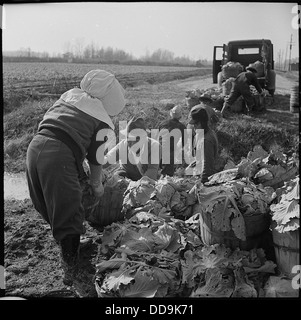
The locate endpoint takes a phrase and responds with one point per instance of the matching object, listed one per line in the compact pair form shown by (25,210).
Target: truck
(246,52)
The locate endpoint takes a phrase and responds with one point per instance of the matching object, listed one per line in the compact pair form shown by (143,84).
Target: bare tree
(93,50)
(161,55)
(90,51)
(68,50)
(109,54)
(87,52)
(79,47)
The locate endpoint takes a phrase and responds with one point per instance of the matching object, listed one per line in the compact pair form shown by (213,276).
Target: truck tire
(271,82)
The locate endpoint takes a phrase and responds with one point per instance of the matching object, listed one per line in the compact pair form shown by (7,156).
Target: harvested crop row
(21,72)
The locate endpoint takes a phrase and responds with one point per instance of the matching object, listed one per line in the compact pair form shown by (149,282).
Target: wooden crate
(256,226)
(287,249)
(279,181)
(109,207)
(105,210)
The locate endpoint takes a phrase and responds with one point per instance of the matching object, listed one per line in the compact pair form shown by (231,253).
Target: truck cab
(247,52)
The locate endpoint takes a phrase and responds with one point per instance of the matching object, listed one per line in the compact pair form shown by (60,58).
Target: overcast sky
(184,28)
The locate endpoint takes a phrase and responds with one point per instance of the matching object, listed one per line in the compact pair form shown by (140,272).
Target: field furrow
(50,78)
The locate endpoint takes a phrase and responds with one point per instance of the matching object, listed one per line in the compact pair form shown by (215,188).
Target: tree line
(79,53)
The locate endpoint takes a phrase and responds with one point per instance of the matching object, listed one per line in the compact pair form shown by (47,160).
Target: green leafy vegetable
(218,284)
(243,287)
(143,287)
(286,212)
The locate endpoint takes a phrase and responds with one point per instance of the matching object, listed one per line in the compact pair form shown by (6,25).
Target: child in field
(168,166)
(206,149)
(136,162)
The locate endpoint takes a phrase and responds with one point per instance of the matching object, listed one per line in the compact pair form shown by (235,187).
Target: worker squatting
(136,143)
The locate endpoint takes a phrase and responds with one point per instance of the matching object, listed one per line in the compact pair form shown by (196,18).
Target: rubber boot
(70,257)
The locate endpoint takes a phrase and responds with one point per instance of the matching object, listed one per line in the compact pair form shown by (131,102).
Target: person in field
(138,154)
(213,117)
(65,137)
(241,87)
(205,145)
(168,166)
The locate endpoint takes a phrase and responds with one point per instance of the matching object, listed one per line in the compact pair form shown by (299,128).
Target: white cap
(176,112)
(104,86)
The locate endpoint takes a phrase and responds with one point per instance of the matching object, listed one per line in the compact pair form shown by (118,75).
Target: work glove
(97,188)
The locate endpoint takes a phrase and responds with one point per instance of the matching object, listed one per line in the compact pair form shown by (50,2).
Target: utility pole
(285,58)
(279,60)
(289,60)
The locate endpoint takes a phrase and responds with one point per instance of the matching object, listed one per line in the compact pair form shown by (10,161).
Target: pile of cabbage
(231,69)
(169,196)
(148,256)
(261,167)
(158,251)
(228,203)
(212,95)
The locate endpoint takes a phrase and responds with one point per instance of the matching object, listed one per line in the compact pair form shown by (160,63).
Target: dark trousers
(168,168)
(54,185)
(235,93)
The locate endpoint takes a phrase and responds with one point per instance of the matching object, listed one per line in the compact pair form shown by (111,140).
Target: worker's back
(245,78)
(170,125)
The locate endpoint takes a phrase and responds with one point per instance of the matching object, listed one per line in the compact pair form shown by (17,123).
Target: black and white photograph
(150,153)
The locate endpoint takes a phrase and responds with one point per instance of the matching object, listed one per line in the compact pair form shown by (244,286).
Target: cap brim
(252,69)
(114,101)
(131,135)
(205,99)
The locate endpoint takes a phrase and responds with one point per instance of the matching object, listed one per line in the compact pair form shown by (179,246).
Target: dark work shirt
(170,125)
(81,127)
(248,78)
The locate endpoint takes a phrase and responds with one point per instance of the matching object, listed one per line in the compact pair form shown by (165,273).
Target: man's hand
(97,188)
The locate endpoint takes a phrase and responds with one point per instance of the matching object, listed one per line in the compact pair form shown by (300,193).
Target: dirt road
(202,83)
(283,85)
